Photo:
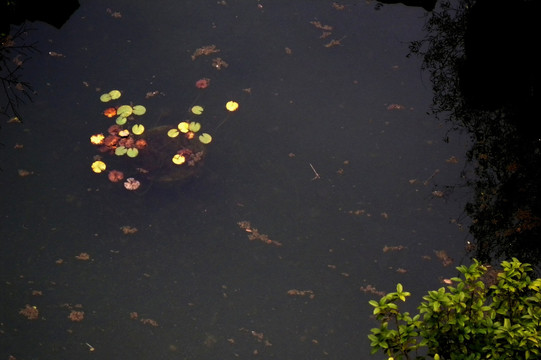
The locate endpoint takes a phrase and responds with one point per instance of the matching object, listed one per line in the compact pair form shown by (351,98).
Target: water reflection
(484,82)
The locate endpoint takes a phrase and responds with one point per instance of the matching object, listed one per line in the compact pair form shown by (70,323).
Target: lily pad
(132,152)
(105,98)
(138,129)
(173,133)
(232,105)
(205,138)
(194,126)
(197,110)
(98,166)
(179,159)
(183,127)
(121,150)
(139,110)
(115,94)
(121,120)
(124,110)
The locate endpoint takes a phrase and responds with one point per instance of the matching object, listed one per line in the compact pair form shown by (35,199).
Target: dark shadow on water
(485,75)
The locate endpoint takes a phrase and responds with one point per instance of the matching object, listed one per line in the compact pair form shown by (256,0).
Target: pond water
(331,155)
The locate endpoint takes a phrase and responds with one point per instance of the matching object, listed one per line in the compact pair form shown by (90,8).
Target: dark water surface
(214,293)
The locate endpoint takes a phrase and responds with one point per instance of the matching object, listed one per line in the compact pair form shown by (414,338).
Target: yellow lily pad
(98,166)
(183,127)
(179,159)
(173,133)
(232,105)
(138,129)
(97,139)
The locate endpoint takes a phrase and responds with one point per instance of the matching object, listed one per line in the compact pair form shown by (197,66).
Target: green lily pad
(121,150)
(124,110)
(121,120)
(105,98)
(197,110)
(205,138)
(115,94)
(132,152)
(139,110)
(194,126)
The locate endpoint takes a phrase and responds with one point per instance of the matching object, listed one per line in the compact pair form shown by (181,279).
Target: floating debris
(338,6)
(396,107)
(320,26)
(334,42)
(76,316)
(55,54)
(452,160)
(295,292)
(255,235)
(393,248)
(83,256)
(30,312)
(205,50)
(127,230)
(219,63)
(445,259)
(114,14)
(371,290)
(24,173)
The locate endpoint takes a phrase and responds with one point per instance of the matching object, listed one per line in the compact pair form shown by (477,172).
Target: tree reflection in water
(482,65)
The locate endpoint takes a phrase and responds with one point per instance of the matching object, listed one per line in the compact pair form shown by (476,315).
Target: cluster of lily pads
(123,139)
(120,139)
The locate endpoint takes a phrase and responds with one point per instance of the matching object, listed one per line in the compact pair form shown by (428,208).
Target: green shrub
(484,314)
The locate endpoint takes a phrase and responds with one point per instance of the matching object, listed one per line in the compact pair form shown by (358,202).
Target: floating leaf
(197,110)
(173,133)
(194,126)
(97,139)
(109,112)
(184,127)
(138,129)
(205,138)
(232,106)
(124,110)
(98,166)
(115,94)
(121,120)
(139,110)
(105,98)
(121,150)
(179,159)
(132,152)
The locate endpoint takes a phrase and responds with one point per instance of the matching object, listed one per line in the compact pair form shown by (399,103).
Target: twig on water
(427,181)
(315,172)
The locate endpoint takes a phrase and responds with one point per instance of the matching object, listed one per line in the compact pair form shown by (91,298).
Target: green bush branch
(469,320)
